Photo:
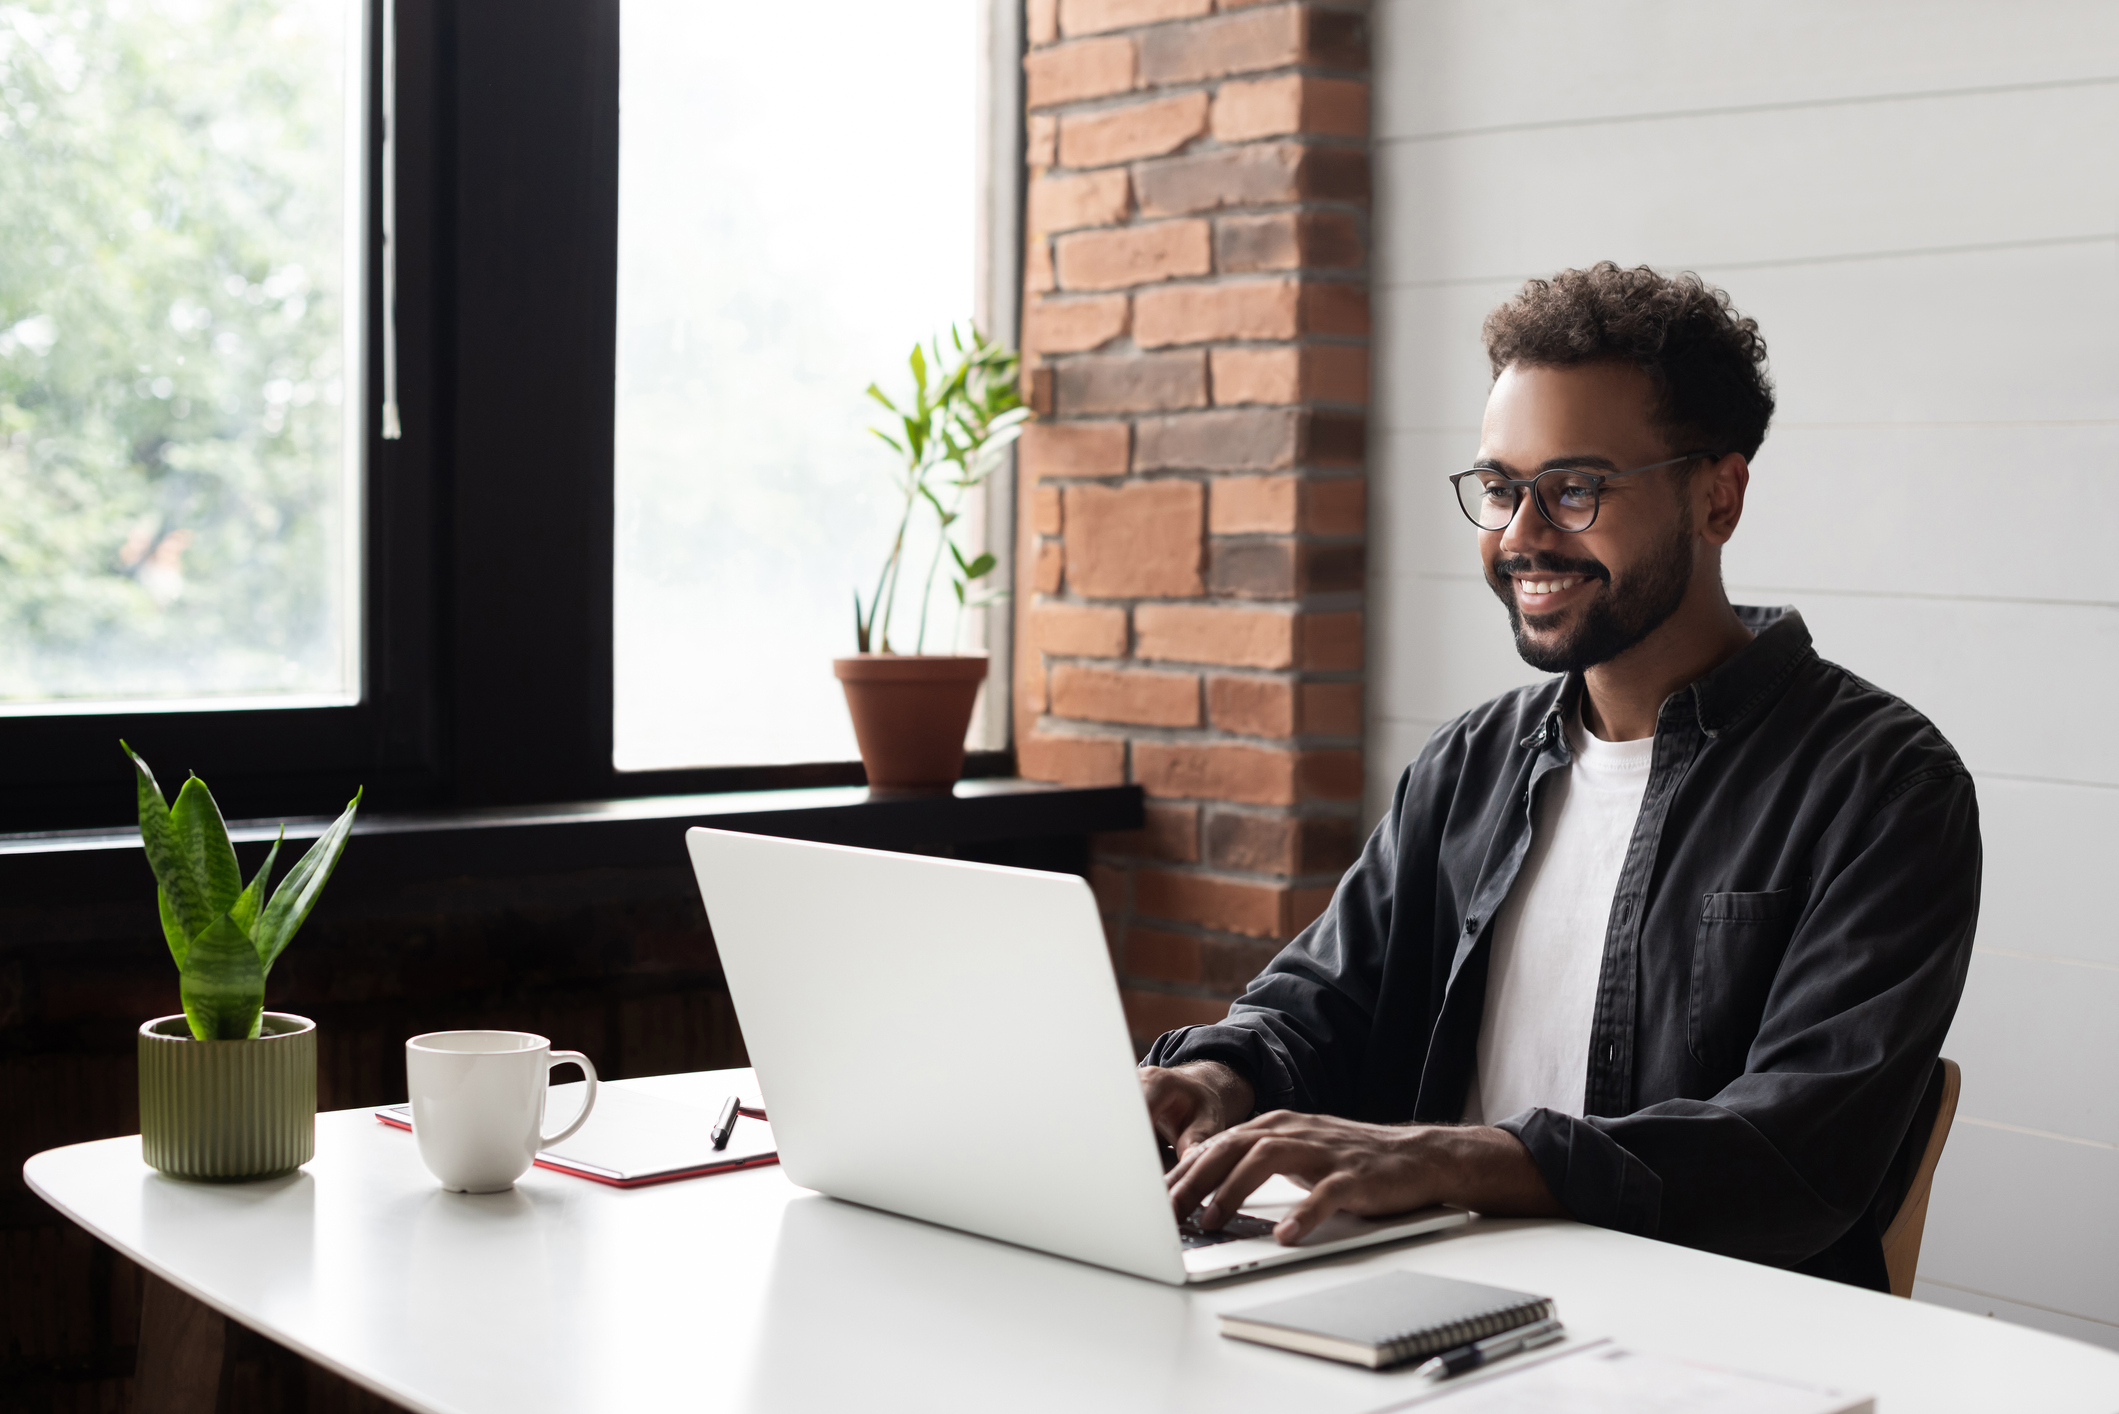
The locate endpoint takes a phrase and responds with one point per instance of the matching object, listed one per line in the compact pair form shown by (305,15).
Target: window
(432,617)
(179,507)
(786,230)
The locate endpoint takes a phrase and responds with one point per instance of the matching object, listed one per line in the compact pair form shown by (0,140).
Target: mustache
(1508,566)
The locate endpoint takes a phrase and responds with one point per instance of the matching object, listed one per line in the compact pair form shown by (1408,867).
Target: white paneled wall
(1919,202)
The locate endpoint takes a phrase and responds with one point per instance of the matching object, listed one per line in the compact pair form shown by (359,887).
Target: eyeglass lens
(1568,498)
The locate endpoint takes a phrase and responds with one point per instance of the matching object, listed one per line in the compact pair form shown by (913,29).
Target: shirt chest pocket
(1735,954)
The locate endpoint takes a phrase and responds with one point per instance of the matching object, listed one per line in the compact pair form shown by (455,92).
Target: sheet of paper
(1602,1378)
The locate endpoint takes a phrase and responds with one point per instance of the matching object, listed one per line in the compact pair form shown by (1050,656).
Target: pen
(725,1123)
(1471,1357)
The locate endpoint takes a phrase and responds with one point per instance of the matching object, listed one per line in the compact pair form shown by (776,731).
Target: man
(1667,943)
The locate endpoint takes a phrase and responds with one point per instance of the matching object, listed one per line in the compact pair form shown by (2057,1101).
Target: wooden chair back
(1902,1236)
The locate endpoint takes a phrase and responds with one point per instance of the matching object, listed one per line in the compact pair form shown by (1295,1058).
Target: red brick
(1073,325)
(1287,240)
(1291,103)
(1138,539)
(1133,255)
(1189,770)
(1230,905)
(1075,449)
(1335,439)
(1306,906)
(1147,699)
(1253,375)
(1071,760)
(1223,635)
(1040,140)
(1331,569)
(1045,510)
(1191,314)
(1112,886)
(1112,383)
(1330,773)
(1238,439)
(1267,38)
(1254,569)
(1095,16)
(1259,843)
(1254,843)
(1258,174)
(1149,1014)
(1064,202)
(1029,697)
(1336,507)
(1335,307)
(1077,630)
(1323,372)
(1106,135)
(1230,964)
(1335,373)
(1050,568)
(1252,706)
(1038,275)
(1167,832)
(1331,642)
(1037,387)
(1160,956)
(1073,72)
(1252,505)
(1331,708)
(1041,19)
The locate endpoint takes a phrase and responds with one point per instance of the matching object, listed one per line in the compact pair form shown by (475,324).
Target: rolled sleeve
(1591,1175)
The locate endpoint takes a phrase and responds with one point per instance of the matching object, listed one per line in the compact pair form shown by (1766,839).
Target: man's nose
(1530,531)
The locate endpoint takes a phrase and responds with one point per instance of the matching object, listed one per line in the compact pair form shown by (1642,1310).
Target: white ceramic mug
(478,1104)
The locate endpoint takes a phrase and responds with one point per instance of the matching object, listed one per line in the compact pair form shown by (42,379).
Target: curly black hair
(1707,362)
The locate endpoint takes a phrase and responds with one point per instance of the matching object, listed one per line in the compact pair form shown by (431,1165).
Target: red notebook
(633,1140)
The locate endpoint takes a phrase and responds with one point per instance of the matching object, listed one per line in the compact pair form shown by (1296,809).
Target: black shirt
(1788,941)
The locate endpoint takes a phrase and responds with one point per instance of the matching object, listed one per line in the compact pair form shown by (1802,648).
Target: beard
(1625,613)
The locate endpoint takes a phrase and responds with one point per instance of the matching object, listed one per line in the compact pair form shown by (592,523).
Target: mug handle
(588,1101)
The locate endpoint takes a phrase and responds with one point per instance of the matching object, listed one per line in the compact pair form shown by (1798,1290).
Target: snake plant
(225,935)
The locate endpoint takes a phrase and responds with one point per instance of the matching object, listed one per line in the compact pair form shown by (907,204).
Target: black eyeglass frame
(1521,484)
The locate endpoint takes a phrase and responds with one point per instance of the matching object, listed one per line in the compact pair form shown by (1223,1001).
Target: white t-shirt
(1548,944)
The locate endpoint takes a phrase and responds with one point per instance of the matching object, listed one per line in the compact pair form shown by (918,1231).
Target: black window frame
(489,542)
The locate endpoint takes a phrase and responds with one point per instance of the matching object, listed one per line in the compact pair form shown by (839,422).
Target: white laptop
(944,1040)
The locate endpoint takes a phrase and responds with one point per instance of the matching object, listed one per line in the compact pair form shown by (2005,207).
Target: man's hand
(1189,1102)
(1365,1169)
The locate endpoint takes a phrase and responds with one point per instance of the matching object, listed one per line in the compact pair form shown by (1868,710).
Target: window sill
(67,867)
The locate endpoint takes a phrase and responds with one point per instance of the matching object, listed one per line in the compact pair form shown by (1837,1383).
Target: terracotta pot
(228,1110)
(910,712)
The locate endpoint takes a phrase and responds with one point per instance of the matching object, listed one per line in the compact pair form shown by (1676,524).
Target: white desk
(742,1292)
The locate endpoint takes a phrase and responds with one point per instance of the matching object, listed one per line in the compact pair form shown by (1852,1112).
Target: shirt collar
(1723,697)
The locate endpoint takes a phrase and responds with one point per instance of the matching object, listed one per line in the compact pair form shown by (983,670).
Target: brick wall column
(1192,499)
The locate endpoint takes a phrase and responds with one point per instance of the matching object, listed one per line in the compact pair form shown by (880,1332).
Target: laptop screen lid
(941,1039)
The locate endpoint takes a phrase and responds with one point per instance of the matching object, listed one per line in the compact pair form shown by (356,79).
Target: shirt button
(1471,926)
(1611,1050)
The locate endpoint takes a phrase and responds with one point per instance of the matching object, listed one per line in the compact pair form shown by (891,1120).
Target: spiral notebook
(1387,1320)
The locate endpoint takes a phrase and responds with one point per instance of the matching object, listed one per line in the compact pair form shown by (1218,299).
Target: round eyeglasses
(1566,496)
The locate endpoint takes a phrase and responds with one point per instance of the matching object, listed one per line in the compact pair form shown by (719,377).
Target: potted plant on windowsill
(910,710)
(227,1089)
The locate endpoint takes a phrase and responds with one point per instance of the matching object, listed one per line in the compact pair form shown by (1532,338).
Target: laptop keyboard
(1193,1235)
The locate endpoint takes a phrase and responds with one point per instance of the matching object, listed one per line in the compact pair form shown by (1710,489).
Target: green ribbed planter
(222,1111)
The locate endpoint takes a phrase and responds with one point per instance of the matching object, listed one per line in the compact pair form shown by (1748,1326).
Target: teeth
(1547,586)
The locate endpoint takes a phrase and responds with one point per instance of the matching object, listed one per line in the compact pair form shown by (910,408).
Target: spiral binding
(1436,1339)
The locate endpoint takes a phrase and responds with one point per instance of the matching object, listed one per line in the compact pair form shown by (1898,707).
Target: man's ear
(1722,488)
